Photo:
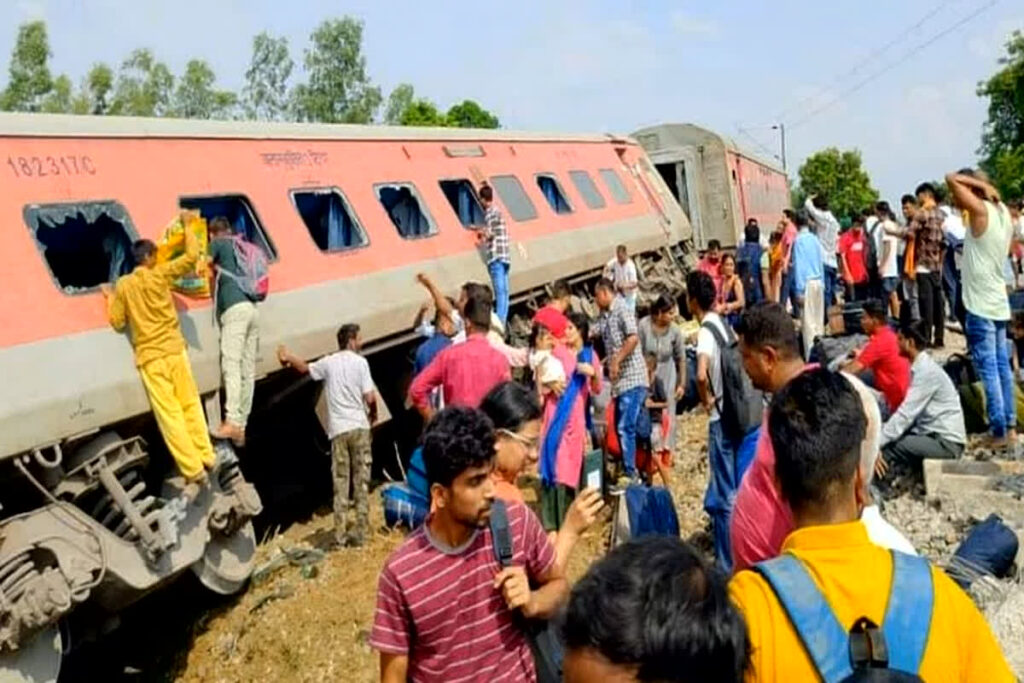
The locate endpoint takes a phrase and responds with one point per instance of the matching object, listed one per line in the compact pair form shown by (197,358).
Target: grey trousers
(911,449)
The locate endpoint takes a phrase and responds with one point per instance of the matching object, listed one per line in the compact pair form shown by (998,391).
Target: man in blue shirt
(807,267)
(444,330)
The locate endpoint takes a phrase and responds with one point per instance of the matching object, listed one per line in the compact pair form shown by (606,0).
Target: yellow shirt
(854,575)
(143,299)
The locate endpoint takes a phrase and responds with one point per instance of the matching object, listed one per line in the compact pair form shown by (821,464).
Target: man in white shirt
(351,410)
(622,271)
(827,229)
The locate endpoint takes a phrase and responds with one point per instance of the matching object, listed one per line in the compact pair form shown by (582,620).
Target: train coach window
(552,191)
(464,203)
(329,220)
(402,203)
(84,244)
(614,184)
(512,195)
(239,212)
(587,189)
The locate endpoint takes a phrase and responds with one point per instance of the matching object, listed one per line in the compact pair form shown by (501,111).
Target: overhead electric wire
(875,53)
(764,148)
(938,36)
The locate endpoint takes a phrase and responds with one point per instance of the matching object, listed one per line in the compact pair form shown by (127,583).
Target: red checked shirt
(439,606)
(466,371)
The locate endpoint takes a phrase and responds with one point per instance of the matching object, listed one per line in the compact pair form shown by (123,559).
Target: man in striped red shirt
(446,611)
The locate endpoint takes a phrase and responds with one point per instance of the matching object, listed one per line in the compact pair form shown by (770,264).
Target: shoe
(193,487)
(229,430)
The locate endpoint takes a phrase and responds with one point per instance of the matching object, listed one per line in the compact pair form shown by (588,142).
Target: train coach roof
(680,134)
(61,125)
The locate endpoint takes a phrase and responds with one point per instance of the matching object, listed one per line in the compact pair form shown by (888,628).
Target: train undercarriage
(104,536)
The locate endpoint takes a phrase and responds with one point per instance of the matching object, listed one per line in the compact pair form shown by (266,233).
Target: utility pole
(781,127)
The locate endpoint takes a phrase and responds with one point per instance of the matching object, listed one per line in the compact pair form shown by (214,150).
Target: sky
(894,79)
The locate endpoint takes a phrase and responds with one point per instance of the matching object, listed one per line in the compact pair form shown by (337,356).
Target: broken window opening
(614,184)
(329,219)
(552,191)
(402,203)
(462,197)
(239,212)
(514,197)
(587,189)
(84,244)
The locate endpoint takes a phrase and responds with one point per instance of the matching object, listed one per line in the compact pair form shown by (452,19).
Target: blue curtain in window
(84,244)
(463,201)
(553,194)
(404,211)
(341,233)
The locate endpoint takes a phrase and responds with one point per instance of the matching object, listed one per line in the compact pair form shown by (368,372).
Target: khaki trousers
(239,339)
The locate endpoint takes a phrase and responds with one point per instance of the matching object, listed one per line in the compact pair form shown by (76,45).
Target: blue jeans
(831,286)
(722,485)
(986,340)
(499,280)
(628,406)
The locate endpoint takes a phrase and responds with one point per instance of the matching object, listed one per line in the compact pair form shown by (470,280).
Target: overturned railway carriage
(718,184)
(347,214)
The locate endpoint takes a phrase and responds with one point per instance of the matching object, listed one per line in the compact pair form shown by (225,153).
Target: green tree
(196,97)
(338,89)
(423,113)
(94,94)
(265,94)
(59,99)
(469,114)
(1002,139)
(399,101)
(840,177)
(29,80)
(143,87)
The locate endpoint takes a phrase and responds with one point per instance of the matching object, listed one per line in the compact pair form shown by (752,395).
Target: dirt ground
(290,628)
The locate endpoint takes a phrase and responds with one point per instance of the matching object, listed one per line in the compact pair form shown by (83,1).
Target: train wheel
(227,562)
(37,661)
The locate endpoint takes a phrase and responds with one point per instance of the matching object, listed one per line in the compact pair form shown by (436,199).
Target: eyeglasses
(532,444)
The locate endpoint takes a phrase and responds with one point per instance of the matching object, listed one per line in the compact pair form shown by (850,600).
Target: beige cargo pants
(239,339)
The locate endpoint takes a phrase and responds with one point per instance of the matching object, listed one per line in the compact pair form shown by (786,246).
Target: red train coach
(348,215)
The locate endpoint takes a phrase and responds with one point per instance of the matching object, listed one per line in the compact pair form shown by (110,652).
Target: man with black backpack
(460,599)
(835,606)
(732,403)
(752,264)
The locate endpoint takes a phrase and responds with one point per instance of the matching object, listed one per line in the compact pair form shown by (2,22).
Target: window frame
(629,197)
(522,189)
(476,197)
(424,209)
(30,209)
(561,190)
(573,174)
(273,256)
(348,207)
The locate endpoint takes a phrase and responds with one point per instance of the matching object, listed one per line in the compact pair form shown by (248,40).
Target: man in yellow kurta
(142,300)
(831,575)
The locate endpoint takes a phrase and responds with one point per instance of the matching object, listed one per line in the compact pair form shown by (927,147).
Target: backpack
(741,406)
(868,652)
(544,640)
(254,280)
(748,267)
(403,506)
(969,386)
(644,511)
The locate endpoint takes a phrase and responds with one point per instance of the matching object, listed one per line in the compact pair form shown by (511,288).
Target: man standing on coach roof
(143,301)
(495,233)
(239,334)
(351,411)
(446,611)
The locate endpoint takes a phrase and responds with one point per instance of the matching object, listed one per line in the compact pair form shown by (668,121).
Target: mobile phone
(593,470)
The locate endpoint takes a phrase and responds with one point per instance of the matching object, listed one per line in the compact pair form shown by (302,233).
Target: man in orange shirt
(821,609)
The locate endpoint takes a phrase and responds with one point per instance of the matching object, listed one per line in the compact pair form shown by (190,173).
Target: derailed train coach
(91,519)
(718,184)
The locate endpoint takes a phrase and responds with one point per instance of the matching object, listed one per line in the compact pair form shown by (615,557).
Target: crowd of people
(807,575)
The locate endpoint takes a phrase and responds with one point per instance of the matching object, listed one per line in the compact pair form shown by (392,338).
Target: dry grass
(290,628)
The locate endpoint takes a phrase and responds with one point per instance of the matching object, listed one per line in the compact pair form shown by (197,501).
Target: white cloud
(690,25)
